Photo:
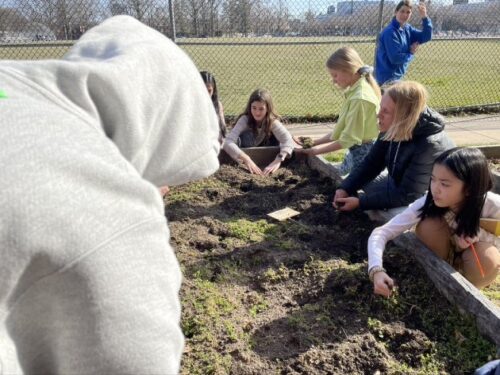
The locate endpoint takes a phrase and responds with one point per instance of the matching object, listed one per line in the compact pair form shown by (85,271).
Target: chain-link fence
(280,44)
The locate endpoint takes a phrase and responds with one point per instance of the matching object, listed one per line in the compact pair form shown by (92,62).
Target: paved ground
(477,130)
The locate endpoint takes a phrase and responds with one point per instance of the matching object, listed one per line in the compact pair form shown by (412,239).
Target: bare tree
(67,19)
(140,9)
(239,15)
(11,20)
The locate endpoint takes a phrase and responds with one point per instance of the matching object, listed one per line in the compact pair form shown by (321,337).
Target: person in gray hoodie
(89,282)
(397,169)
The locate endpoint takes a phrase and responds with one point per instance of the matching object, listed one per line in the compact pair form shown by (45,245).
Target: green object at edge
(3,95)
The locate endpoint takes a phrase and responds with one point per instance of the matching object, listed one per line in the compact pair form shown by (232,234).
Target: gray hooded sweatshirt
(88,281)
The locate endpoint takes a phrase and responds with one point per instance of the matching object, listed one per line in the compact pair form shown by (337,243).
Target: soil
(494,164)
(266,297)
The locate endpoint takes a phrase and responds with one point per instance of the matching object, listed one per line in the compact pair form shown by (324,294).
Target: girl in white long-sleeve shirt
(259,125)
(447,220)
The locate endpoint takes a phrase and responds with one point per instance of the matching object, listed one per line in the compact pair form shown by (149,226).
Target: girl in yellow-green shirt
(356,127)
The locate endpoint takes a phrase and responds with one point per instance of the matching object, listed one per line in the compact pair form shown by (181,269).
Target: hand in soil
(252,167)
(272,167)
(343,202)
(382,284)
(347,204)
(339,193)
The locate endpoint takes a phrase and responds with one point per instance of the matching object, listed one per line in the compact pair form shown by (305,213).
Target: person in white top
(89,282)
(447,220)
(259,125)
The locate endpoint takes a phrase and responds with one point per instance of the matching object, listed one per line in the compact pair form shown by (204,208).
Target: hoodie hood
(430,122)
(140,90)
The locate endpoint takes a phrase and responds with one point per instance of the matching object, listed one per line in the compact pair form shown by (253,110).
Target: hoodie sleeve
(283,136)
(230,143)
(372,165)
(147,96)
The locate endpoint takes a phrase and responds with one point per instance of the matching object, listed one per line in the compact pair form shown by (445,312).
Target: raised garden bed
(267,297)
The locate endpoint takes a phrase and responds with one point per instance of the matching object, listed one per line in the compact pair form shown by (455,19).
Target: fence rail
(280,44)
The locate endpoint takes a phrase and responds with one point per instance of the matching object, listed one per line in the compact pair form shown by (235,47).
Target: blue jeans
(354,156)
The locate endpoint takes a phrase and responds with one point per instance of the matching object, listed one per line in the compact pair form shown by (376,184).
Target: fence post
(379,29)
(173,35)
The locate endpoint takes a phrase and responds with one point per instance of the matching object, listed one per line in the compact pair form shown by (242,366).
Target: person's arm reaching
(424,35)
(378,240)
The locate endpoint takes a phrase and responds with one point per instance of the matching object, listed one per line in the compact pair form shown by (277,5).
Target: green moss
(251,231)
(259,305)
(273,275)
(189,192)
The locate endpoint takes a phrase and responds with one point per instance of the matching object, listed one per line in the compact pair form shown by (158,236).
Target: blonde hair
(410,99)
(346,59)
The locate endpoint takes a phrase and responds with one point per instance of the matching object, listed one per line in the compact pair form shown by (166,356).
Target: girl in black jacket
(397,169)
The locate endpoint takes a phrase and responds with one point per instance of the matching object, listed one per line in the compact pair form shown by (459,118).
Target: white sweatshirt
(88,281)
(409,217)
(279,131)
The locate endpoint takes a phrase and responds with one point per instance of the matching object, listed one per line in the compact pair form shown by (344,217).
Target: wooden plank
(455,287)
(490,151)
(283,214)
(262,156)
(324,167)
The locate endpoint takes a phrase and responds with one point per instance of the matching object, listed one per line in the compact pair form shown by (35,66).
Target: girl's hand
(272,167)
(252,167)
(297,140)
(339,193)
(422,9)
(347,204)
(382,284)
(464,242)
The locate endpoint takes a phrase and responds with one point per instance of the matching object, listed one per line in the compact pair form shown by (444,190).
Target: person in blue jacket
(399,42)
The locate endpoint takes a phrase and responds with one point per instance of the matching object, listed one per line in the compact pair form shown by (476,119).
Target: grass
(457,73)
(300,84)
(336,157)
(493,292)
